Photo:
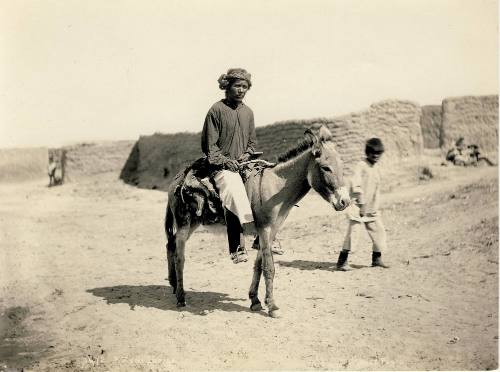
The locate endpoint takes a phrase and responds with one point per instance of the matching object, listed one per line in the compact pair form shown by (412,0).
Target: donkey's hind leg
(170,232)
(172,277)
(254,287)
(181,238)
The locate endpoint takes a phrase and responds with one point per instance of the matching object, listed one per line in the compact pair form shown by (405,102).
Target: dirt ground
(83,287)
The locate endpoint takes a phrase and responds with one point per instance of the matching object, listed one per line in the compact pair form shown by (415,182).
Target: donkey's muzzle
(341,200)
(341,205)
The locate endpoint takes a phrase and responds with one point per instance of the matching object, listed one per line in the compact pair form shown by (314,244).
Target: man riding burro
(212,190)
(229,139)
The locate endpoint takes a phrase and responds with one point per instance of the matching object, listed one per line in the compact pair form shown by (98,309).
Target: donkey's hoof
(274,314)
(272,307)
(256,306)
(181,303)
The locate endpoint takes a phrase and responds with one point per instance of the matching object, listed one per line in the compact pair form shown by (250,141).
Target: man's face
(373,156)
(237,91)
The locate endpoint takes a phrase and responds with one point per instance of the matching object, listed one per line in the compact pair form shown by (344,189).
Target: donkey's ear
(310,136)
(324,133)
(316,151)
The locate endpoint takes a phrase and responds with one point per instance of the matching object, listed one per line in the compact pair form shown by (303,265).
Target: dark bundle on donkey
(198,193)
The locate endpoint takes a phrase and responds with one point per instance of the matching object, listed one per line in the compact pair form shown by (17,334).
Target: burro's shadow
(161,297)
(308,265)
(316,265)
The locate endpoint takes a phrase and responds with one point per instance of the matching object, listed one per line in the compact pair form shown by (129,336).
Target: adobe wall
(396,123)
(404,127)
(87,159)
(473,117)
(155,160)
(23,164)
(432,125)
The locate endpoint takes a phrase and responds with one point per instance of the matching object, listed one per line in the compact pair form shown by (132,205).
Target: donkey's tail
(170,228)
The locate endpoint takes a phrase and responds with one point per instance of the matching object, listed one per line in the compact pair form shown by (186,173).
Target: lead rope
(261,174)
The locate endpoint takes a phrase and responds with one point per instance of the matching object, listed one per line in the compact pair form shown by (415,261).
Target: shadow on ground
(161,297)
(315,265)
(308,265)
(355,266)
(19,348)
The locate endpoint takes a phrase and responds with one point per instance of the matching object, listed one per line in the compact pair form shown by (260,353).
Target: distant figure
(459,155)
(476,155)
(466,155)
(364,212)
(51,171)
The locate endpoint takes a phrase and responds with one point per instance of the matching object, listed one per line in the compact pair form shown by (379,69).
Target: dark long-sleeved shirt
(228,132)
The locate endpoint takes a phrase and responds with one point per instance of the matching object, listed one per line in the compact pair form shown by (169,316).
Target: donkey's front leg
(268,270)
(254,287)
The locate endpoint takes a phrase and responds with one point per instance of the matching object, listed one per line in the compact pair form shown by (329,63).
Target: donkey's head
(325,173)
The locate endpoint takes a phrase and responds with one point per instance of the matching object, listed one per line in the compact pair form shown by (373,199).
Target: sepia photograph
(280,185)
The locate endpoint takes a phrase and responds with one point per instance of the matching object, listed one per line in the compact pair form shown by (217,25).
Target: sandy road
(83,284)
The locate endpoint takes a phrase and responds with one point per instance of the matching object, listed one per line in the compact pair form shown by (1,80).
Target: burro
(313,163)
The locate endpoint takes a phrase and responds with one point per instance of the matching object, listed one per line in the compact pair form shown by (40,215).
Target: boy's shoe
(240,255)
(377,260)
(275,248)
(342,261)
(344,267)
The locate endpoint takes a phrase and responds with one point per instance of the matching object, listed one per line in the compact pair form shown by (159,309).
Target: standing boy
(365,192)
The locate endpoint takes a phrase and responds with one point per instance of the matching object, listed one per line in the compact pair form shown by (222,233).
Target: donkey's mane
(299,149)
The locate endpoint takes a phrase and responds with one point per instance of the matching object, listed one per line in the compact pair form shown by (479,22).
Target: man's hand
(232,165)
(244,157)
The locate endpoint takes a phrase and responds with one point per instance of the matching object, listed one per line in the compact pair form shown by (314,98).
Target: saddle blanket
(233,195)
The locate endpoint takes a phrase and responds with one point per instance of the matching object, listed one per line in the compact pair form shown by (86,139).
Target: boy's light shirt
(365,189)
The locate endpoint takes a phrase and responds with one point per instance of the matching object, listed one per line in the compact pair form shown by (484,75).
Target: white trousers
(233,195)
(375,229)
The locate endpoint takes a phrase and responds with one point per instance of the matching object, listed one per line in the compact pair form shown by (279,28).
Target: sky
(77,71)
